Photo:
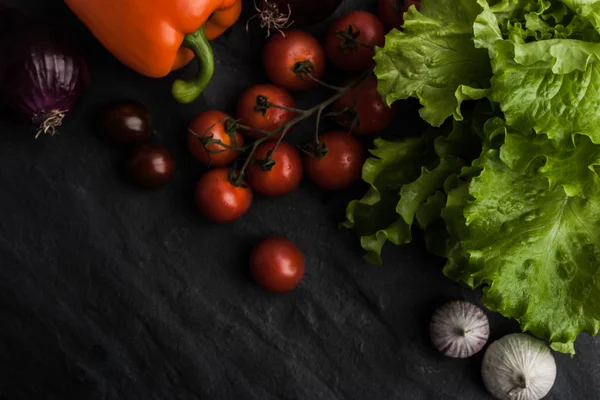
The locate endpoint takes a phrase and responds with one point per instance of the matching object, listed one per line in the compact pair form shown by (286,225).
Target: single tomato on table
(214,125)
(340,165)
(283,177)
(218,199)
(392,11)
(342,40)
(151,165)
(269,119)
(373,115)
(125,122)
(284,55)
(277,264)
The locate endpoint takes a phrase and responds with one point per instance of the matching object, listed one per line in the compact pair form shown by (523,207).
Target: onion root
(271,17)
(50,122)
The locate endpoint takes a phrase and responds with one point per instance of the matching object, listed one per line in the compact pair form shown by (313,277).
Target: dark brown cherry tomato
(151,165)
(373,114)
(125,122)
(347,55)
(212,123)
(342,164)
(268,119)
(282,55)
(277,264)
(285,175)
(392,11)
(220,200)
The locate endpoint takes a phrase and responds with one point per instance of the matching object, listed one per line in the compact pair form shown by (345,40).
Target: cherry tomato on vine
(220,200)
(342,40)
(392,11)
(284,55)
(125,122)
(151,165)
(267,119)
(277,264)
(285,175)
(373,115)
(212,124)
(341,165)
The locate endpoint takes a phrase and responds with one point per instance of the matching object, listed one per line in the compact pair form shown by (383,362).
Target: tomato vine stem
(238,177)
(349,39)
(324,84)
(263,104)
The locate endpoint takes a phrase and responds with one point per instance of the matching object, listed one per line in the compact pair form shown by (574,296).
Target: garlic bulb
(518,367)
(459,329)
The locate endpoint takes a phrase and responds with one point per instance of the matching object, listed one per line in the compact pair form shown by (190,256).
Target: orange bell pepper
(155,37)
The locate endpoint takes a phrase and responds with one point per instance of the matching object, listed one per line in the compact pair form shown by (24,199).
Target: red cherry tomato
(361,26)
(284,176)
(220,200)
(212,123)
(392,11)
(342,164)
(266,120)
(372,113)
(151,165)
(277,264)
(282,55)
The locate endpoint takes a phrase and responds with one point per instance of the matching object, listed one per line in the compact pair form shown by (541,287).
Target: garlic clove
(518,367)
(459,329)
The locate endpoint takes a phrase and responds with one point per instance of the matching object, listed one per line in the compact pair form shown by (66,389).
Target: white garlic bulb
(459,329)
(518,367)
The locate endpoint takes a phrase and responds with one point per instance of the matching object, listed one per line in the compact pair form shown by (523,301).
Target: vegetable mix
(505,182)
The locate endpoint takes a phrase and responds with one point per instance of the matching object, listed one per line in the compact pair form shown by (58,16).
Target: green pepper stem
(188,91)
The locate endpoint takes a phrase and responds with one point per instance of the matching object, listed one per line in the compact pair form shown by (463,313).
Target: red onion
(281,14)
(43,76)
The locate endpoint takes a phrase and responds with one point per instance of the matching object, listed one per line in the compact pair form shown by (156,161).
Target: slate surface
(110,292)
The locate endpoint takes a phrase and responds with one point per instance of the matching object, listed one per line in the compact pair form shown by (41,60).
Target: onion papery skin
(43,77)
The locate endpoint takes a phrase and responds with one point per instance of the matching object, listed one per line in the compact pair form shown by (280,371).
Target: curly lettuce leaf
(374,216)
(486,29)
(589,9)
(434,60)
(544,78)
(491,24)
(534,247)
(523,218)
(544,20)
(575,167)
(530,20)
(404,177)
(452,152)
(551,87)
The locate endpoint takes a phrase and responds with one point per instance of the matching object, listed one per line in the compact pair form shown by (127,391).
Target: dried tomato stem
(295,110)
(240,176)
(324,84)
(207,140)
(317,126)
(279,140)
(358,42)
(236,179)
(349,39)
(362,86)
(248,129)
(361,89)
